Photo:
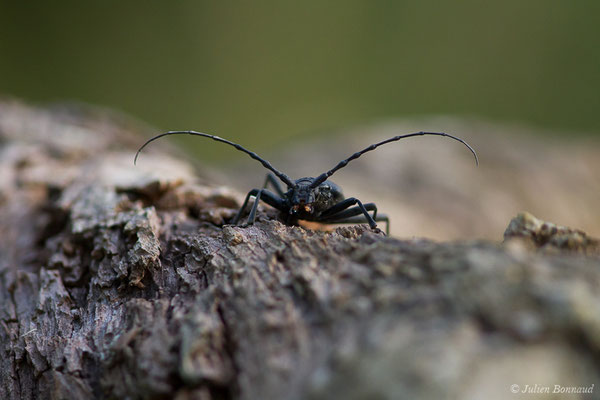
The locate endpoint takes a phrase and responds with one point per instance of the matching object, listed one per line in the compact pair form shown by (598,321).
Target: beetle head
(301,198)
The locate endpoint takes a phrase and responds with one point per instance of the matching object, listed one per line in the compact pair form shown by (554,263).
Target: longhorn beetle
(312,199)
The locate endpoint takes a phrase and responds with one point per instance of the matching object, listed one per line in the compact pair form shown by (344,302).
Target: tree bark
(125,282)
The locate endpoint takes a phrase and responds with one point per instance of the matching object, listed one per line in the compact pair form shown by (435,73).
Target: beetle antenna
(323,177)
(286,179)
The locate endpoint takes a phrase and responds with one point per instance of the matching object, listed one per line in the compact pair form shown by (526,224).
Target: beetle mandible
(311,199)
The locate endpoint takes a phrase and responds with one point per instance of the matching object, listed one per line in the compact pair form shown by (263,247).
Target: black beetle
(310,199)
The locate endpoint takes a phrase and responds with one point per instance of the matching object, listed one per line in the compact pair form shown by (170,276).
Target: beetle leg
(275,183)
(350,212)
(252,215)
(237,217)
(336,208)
(341,210)
(259,194)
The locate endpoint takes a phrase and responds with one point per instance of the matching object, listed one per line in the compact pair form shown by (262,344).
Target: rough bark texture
(122,282)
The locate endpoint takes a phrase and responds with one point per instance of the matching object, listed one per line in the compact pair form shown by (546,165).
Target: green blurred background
(262,73)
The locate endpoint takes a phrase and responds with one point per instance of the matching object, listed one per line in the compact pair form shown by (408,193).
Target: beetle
(311,198)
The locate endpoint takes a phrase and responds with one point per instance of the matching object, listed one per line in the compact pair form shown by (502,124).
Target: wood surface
(124,282)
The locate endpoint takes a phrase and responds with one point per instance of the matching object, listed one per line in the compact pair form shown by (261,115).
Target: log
(126,282)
